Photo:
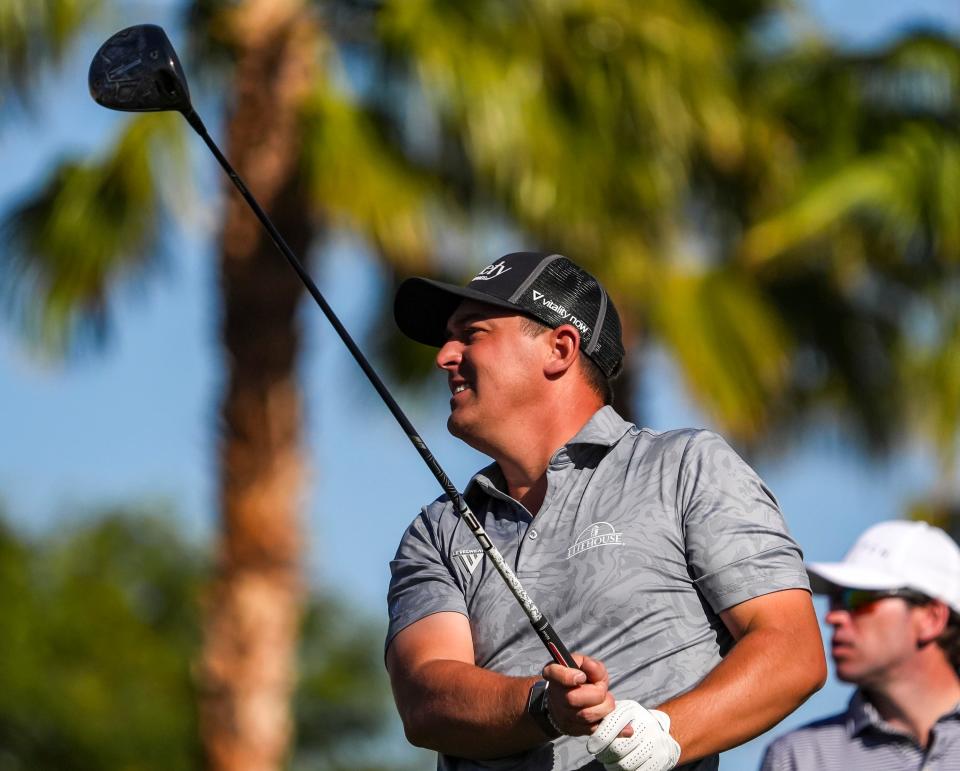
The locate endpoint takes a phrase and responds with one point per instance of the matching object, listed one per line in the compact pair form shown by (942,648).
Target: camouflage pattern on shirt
(642,539)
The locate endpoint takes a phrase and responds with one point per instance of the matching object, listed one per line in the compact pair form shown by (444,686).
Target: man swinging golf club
(661,556)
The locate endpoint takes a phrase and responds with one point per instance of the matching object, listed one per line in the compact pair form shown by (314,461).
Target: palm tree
(867,220)
(246,672)
(94,223)
(285,109)
(597,129)
(738,194)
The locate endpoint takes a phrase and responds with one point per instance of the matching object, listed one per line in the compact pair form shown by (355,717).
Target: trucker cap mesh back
(562,293)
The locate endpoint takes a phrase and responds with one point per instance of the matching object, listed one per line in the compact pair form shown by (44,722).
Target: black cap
(547,287)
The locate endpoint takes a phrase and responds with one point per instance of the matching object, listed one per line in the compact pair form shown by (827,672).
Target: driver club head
(137,70)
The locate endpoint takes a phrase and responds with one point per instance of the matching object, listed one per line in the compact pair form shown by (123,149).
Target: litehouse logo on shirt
(597,534)
(470,558)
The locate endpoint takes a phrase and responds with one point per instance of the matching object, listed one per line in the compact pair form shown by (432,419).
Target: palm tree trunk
(247,669)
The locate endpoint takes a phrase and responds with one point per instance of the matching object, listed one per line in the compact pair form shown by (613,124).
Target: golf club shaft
(544,630)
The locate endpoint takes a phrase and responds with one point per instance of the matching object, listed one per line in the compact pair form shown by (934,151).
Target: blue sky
(137,422)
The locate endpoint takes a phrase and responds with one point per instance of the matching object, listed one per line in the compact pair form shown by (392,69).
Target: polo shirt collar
(490,480)
(605,428)
(861,715)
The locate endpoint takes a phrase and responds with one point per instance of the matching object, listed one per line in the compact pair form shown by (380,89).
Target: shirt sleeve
(736,540)
(421,581)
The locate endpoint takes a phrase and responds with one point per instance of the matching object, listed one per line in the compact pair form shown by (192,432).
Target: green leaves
(101,632)
(584,113)
(738,198)
(600,130)
(362,183)
(91,225)
(867,211)
(100,626)
(932,361)
(910,184)
(730,343)
(33,35)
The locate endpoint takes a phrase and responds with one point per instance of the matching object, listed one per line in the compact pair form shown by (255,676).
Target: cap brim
(423,306)
(826,576)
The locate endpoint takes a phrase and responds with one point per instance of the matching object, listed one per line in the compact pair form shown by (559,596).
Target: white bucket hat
(896,555)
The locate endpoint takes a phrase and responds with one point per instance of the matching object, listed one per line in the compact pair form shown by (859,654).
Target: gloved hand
(651,748)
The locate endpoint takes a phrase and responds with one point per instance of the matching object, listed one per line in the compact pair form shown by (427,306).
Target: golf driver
(137,70)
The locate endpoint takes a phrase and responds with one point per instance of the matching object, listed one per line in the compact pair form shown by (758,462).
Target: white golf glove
(651,748)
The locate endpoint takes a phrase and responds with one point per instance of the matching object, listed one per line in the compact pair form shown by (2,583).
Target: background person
(663,556)
(894,604)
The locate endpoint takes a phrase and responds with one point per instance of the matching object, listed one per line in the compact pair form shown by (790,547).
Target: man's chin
(847,673)
(458,428)
(466,433)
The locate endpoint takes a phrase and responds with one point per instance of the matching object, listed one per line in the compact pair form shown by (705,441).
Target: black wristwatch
(538,708)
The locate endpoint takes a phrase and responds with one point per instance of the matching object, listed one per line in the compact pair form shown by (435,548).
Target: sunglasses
(857,600)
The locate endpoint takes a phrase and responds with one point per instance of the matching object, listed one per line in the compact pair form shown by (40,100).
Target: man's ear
(931,620)
(564,350)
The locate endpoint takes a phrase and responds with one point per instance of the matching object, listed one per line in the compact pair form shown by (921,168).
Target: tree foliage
(33,35)
(92,225)
(775,212)
(864,227)
(101,631)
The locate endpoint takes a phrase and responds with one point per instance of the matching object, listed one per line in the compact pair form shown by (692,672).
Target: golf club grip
(553,643)
(544,630)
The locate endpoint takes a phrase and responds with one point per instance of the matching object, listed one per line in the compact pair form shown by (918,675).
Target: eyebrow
(467,318)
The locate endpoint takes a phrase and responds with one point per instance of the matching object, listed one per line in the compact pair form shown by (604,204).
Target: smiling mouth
(460,388)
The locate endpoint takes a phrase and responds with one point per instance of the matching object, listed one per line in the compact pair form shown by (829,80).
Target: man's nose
(836,617)
(449,355)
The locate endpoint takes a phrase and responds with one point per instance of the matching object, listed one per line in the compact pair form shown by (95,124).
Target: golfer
(895,613)
(661,557)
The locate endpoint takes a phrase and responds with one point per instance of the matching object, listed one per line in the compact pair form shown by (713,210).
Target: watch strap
(539,709)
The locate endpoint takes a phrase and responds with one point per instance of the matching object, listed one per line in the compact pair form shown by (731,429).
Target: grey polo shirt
(860,740)
(641,540)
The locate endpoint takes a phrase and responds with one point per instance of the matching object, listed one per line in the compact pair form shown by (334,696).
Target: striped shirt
(860,740)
